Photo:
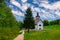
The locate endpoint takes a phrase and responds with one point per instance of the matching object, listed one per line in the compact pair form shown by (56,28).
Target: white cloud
(43,11)
(15,3)
(37,9)
(39,1)
(25,6)
(47,14)
(53,9)
(42,3)
(53,6)
(22,7)
(57,13)
(32,8)
(17,13)
(36,1)
(23,1)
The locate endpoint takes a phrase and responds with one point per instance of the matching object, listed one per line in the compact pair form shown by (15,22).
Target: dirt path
(20,37)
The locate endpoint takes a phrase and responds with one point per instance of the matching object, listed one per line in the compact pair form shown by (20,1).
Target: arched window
(39,24)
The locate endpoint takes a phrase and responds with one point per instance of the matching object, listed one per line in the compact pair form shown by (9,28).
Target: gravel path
(20,37)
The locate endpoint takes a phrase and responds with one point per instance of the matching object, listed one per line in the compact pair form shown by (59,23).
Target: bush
(46,23)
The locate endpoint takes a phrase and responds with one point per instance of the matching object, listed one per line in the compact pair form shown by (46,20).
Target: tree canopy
(29,20)
(7,18)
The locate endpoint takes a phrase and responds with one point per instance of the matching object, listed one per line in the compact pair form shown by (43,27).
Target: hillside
(8,25)
(6,16)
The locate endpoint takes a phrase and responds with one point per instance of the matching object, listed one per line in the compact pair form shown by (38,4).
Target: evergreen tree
(29,20)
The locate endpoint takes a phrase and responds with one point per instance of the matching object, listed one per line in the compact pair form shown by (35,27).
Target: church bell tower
(37,18)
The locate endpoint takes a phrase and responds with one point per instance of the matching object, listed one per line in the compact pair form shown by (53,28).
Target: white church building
(38,22)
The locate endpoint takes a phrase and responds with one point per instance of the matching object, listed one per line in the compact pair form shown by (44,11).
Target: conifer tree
(29,20)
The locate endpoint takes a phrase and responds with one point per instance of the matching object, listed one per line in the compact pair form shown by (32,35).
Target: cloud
(48,14)
(37,9)
(15,3)
(17,13)
(25,6)
(39,1)
(57,13)
(53,9)
(44,13)
(53,6)
(23,1)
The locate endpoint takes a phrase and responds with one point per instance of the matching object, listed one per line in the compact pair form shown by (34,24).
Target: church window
(40,25)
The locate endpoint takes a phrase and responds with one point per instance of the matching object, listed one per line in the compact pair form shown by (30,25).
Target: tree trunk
(28,30)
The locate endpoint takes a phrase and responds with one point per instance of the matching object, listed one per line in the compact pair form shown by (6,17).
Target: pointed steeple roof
(37,15)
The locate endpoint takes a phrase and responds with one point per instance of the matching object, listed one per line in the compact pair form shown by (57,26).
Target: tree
(55,22)
(58,21)
(7,19)
(29,20)
(46,22)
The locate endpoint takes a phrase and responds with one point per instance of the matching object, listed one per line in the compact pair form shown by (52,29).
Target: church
(38,22)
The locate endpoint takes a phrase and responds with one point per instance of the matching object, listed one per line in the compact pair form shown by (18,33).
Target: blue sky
(47,9)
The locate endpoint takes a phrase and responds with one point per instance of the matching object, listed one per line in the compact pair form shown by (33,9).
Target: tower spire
(37,18)
(37,15)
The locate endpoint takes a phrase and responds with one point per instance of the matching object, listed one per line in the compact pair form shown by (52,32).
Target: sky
(47,9)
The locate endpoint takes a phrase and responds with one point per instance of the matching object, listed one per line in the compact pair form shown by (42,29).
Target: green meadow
(49,33)
(8,33)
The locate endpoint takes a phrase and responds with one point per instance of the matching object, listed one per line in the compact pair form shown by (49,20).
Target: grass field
(8,33)
(49,33)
